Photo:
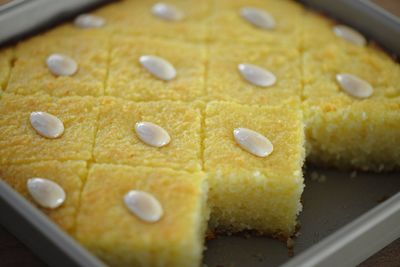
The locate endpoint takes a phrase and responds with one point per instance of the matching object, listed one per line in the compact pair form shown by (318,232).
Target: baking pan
(332,199)
(332,232)
(39,233)
(19,18)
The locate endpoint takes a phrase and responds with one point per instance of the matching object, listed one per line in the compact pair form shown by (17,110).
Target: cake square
(129,80)
(117,141)
(68,174)
(121,16)
(312,23)
(320,66)
(20,143)
(227,24)
(249,192)
(175,240)
(6,56)
(224,81)
(345,131)
(30,74)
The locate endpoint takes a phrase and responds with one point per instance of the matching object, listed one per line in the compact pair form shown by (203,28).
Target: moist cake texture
(105,226)
(253,193)
(70,175)
(115,142)
(79,115)
(227,26)
(343,131)
(303,111)
(30,76)
(224,83)
(129,80)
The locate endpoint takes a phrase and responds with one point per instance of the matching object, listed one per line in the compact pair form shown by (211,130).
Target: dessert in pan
(142,124)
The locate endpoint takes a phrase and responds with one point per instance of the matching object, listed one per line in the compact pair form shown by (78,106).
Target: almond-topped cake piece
(154,69)
(351,101)
(143,216)
(60,63)
(68,175)
(248,190)
(253,74)
(67,134)
(270,23)
(155,134)
(183,20)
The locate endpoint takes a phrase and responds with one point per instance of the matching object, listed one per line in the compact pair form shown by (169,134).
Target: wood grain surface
(14,254)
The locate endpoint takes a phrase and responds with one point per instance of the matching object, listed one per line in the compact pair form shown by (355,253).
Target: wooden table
(14,254)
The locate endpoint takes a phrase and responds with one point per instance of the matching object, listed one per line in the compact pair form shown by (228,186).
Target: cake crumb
(210,235)
(382,199)
(290,246)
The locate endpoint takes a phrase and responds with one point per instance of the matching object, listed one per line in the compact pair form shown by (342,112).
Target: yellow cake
(225,83)
(249,192)
(78,114)
(107,228)
(30,75)
(134,18)
(129,80)
(117,143)
(100,156)
(71,175)
(341,130)
(227,26)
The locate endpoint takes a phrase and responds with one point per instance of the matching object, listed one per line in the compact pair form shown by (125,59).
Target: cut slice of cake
(110,230)
(248,192)
(68,174)
(344,130)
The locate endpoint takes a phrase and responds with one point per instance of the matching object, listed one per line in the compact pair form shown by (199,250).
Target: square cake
(117,142)
(31,75)
(107,227)
(224,81)
(227,24)
(343,130)
(20,143)
(137,18)
(70,175)
(248,192)
(130,80)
